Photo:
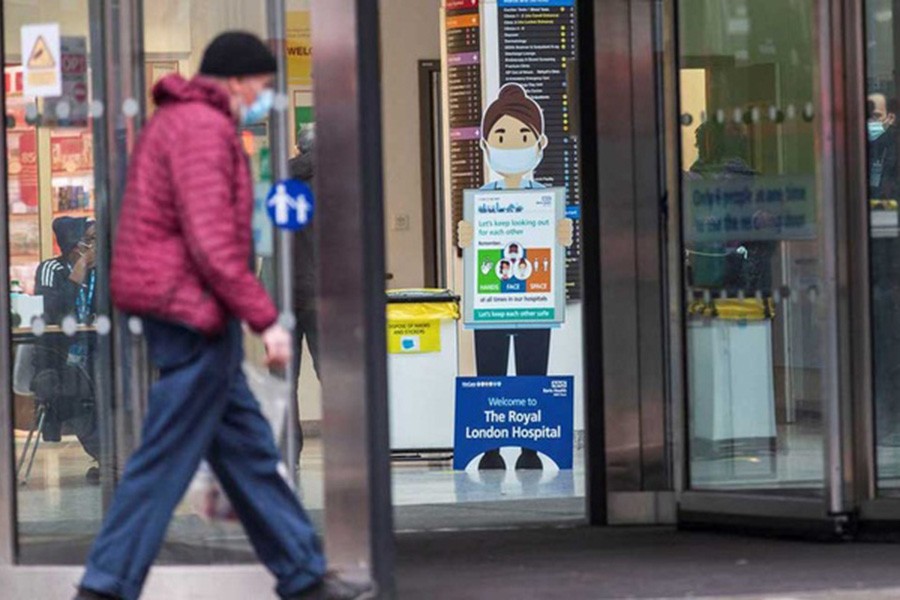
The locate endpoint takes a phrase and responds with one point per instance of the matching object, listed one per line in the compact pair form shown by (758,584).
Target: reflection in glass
(753,264)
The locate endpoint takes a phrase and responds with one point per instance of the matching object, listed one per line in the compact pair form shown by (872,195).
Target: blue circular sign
(290,204)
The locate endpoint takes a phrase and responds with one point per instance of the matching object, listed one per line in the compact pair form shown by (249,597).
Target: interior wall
(71,16)
(410,32)
(181,29)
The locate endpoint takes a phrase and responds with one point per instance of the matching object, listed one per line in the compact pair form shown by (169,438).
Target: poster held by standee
(515,268)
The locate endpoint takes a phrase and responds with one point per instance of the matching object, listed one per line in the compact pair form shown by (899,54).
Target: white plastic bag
(273,394)
(205,495)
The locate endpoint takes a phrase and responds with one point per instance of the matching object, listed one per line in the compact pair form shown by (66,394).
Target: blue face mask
(259,110)
(876,130)
(515,162)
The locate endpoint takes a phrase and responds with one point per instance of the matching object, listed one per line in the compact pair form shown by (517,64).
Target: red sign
(13,81)
(461,4)
(80,92)
(23,168)
(74,64)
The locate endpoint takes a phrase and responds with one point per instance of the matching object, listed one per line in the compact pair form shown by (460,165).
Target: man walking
(182,264)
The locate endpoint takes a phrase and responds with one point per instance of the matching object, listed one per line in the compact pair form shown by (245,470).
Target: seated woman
(63,364)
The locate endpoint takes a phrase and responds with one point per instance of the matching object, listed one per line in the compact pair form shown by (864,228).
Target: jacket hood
(175,89)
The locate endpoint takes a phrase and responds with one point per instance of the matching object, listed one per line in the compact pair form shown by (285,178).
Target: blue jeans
(201,407)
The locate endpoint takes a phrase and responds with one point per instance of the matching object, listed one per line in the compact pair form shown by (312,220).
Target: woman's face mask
(513,148)
(515,162)
(260,109)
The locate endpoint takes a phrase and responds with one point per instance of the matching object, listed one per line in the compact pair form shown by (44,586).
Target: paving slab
(641,563)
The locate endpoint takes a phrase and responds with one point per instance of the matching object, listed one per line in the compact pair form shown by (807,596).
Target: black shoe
(93,476)
(529,460)
(85,594)
(334,587)
(492,461)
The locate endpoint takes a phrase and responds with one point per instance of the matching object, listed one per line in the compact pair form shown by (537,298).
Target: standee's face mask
(515,162)
(260,109)
(876,130)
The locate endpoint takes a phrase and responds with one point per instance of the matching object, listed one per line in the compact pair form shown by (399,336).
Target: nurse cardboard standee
(513,237)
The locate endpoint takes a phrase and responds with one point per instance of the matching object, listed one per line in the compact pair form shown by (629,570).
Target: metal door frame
(8,481)
(830,514)
(630,183)
(359,515)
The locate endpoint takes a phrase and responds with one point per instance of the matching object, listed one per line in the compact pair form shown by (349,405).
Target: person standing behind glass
(882,134)
(302,168)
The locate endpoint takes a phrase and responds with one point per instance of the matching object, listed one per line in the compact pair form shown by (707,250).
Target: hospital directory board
(534,43)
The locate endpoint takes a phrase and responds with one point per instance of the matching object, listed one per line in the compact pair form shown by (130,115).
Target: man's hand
(277,341)
(464,234)
(565,232)
(85,262)
(89,256)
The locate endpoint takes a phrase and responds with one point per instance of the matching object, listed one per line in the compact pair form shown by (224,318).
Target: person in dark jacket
(63,364)
(302,168)
(182,264)
(881,126)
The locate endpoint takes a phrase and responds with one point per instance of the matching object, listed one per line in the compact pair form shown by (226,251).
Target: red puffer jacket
(184,242)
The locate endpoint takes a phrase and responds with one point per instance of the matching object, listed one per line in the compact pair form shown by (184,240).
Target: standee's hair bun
(511,91)
(512,100)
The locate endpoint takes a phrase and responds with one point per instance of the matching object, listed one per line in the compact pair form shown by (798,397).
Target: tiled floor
(59,508)
(797,464)
(639,562)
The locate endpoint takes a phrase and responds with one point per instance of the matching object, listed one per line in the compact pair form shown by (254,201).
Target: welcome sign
(527,412)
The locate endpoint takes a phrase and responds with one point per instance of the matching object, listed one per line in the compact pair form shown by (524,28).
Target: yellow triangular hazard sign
(41,58)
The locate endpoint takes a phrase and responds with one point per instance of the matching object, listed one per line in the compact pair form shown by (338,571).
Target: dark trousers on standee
(201,407)
(492,351)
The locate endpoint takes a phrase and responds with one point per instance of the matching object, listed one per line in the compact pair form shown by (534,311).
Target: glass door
(79,81)
(78,372)
(60,339)
(758,256)
(879,430)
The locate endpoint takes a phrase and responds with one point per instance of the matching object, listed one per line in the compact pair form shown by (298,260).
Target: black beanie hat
(237,53)
(69,231)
